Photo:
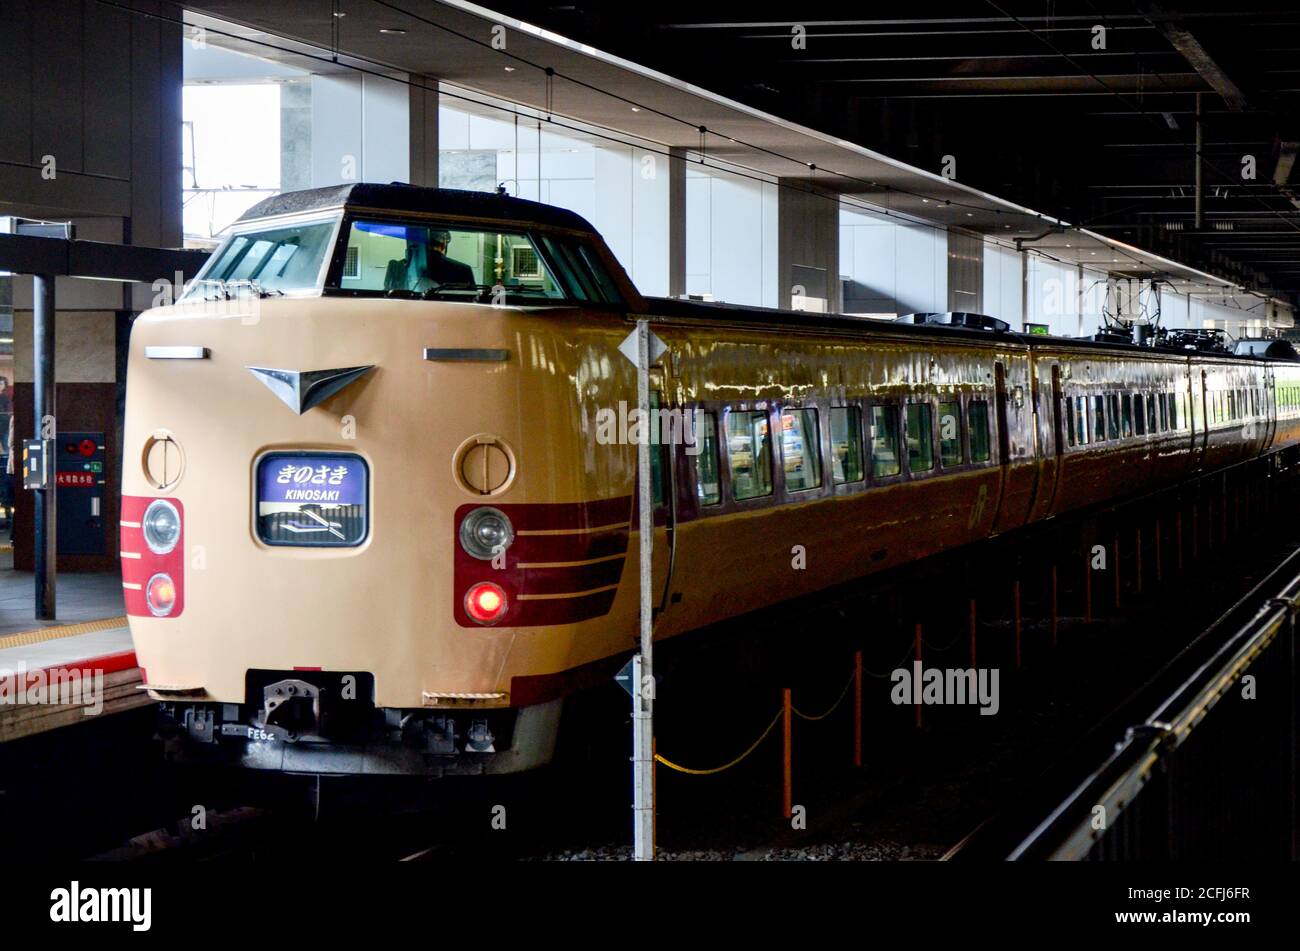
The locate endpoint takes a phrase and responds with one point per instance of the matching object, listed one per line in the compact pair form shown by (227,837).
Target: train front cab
(366,633)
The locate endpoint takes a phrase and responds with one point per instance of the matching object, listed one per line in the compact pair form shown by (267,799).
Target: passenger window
(1112,430)
(846,444)
(920,447)
(749,454)
(1139,416)
(1069,422)
(884,441)
(950,435)
(1099,419)
(1128,416)
(1152,421)
(977,416)
(801,449)
(706,463)
(1163,400)
(1081,419)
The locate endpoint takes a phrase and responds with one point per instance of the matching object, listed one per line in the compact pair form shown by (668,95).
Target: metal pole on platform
(643,671)
(46,523)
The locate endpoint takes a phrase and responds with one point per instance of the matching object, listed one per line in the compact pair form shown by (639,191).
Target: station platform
(81,596)
(58,673)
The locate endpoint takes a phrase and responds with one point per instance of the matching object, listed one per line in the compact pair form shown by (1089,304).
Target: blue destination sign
(324,480)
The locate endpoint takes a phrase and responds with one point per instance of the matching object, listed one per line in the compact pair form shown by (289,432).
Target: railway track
(1034,826)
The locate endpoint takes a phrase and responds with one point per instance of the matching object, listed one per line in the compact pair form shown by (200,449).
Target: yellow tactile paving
(39,635)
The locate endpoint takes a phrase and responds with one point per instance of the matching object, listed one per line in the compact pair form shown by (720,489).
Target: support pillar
(46,516)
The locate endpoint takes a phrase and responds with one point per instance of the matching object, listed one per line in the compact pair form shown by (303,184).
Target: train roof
(677,308)
(400,197)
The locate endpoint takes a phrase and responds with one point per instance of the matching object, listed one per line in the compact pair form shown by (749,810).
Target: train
(379,514)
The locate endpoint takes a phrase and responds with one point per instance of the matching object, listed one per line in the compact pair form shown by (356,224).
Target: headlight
(160,594)
(161,526)
(486,531)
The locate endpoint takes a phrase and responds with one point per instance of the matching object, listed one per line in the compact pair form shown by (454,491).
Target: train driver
(440,269)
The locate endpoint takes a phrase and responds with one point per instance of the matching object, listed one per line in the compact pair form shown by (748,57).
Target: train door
(666,461)
(1201,419)
(1049,439)
(1269,409)
(1018,470)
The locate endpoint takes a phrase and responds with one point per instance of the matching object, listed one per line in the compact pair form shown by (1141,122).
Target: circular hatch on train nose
(163,460)
(484,465)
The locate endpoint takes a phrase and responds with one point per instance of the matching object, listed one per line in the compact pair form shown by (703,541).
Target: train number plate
(312,499)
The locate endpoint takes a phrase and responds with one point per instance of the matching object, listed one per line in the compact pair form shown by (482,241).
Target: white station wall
(891,267)
(731,237)
(621,189)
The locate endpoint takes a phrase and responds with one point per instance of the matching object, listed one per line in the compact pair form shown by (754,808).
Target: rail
(1094,820)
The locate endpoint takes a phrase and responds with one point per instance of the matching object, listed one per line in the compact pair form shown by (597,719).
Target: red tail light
(485,602)
(160,595)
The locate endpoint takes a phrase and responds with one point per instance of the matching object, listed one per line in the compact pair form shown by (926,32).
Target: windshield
(288,258)
(432,261)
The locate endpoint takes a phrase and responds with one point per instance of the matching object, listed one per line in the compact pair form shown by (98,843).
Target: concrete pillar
(295,135)
(423,93)
(965,272)
(808,247)
(676,222)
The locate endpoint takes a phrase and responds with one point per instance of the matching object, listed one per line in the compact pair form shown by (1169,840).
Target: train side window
(1139,415)
(706,463)
(1152,422)
(1163,400)
(1127,431)
(801,449)
(920,445)
(1069,421)
(884,440)
(1112,430)
(1174,400)
(749,454)
(1099,419)
(950,435)
(1081,420)
(846,444)
(977,416)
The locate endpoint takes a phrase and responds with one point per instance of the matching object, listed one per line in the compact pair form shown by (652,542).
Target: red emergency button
(87,447)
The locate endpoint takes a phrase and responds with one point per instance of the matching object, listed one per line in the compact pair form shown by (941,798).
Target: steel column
(46,515)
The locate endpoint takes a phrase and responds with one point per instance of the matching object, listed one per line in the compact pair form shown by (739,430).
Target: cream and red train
(374,519)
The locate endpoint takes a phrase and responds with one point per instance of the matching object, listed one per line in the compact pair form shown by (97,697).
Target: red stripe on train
(138,571)
(531,562)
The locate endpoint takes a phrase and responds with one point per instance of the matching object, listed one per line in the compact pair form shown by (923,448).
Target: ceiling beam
(1182,40)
